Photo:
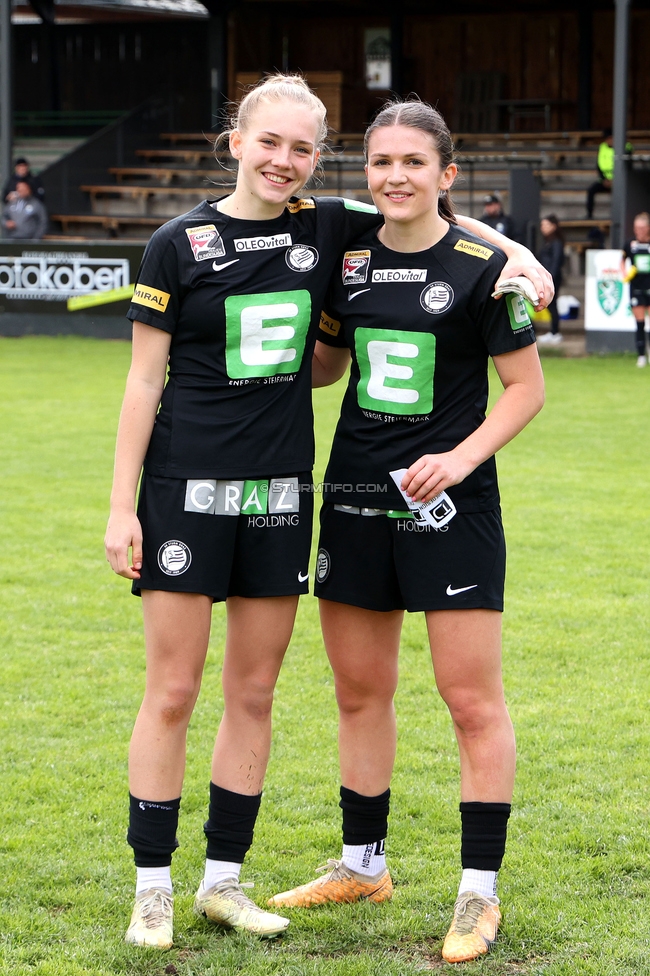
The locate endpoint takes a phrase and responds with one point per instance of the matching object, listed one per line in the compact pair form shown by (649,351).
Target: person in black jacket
(551,256)
(22,173)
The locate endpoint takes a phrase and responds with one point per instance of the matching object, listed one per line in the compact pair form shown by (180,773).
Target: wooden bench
(193,156)
(166,173)
(109,222)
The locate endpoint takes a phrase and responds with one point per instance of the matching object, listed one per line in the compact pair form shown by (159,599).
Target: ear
(235,143)
(315,159)
(448,176)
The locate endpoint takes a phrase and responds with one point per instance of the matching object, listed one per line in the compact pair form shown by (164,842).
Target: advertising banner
(609,323)
(80,288)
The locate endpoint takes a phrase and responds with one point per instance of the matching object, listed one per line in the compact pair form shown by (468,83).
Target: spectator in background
(22,172)
(24,217)
(605,167)
(551,256)
(494,216)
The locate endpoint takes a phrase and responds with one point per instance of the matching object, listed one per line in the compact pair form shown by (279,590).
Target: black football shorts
(388,561)
(639,296)
(226,537)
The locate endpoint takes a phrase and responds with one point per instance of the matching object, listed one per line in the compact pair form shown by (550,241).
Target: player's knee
(255,699)
(473,713)
(355,695)
(175,703)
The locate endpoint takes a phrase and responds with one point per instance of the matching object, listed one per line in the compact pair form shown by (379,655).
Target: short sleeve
(347,219)
(505,323)
(156,297)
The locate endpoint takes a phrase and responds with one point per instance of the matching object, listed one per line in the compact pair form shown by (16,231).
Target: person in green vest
(605,166)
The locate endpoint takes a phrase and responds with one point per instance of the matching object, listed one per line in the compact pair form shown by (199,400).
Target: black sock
(230,824)
(152,831)
(365,818)
(484,827)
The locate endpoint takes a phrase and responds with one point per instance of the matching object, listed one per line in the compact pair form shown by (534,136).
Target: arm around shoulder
(521,261)
(328,364)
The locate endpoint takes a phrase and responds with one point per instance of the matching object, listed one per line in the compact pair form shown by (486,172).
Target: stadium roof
(86,11)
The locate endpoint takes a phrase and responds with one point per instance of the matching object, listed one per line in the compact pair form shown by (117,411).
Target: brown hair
(644,215)
(419,115)
(556,233)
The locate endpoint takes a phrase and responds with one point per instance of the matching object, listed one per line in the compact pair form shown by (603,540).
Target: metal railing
(114,145)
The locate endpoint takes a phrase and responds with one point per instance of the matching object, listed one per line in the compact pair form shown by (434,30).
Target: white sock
(216,871)
(146,878)
(367,859)
(482,882)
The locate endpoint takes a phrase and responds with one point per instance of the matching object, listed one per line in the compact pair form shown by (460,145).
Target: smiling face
(404,173)
(277,153)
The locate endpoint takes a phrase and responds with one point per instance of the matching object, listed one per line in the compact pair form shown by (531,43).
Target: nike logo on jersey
(353,294)
(461,589)
(220,267)
(301,578)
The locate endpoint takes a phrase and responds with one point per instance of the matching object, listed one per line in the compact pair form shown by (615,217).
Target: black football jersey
(420,327)
(242,301)
(639,255)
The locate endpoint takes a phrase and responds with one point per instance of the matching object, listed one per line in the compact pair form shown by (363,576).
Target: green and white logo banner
(396,370)
(607,296)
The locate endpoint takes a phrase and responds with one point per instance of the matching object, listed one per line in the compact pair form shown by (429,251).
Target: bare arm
(328,365)
(144,388)
(521,261)
(523,397)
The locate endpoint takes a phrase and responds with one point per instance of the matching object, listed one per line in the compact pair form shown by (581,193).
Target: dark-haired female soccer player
(412,305)
(218,411)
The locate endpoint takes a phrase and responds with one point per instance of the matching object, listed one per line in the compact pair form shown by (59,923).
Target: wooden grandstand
(174,175)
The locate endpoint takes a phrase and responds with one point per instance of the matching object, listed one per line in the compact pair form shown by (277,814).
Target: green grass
(576,881)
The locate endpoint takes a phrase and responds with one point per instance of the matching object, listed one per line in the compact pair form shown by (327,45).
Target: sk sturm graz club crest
(610,293)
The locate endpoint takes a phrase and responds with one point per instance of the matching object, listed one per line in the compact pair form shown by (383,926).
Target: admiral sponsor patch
(400,274)
(301,257)
(437,297)
(262,243)
(151,297)
(355,267)
(329,325)
(478,250)
(205,242)
(295,206)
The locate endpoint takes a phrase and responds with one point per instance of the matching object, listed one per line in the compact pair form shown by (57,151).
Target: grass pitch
(576,878)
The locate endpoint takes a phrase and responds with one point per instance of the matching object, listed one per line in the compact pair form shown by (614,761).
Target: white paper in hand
(436,512)
(520,286)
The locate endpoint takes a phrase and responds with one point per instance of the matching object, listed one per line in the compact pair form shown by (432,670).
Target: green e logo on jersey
(396,370)
(265,334)
(517,311)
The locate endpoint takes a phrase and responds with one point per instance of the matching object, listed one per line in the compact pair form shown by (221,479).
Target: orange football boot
(340,885)
(474,928)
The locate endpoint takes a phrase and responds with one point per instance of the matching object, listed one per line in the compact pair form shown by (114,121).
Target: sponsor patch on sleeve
(329,325)
(478,250)
(151,297)
(518,312)
(295,206)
